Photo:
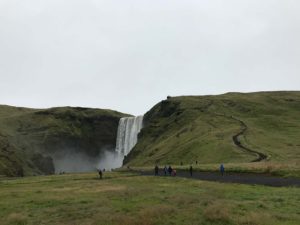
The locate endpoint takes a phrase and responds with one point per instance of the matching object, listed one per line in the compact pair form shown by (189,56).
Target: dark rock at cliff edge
(30,139)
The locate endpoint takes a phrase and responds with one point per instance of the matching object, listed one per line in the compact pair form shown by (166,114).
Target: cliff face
(203,128)
(31,140)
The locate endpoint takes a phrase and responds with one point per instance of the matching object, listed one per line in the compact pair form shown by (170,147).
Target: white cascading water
(128,130)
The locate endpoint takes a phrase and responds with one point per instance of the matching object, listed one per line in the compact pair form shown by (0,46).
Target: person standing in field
(156,170)
(191,171)
(174,172)
(100,174)
(170,170)
(222,169)
(166,170)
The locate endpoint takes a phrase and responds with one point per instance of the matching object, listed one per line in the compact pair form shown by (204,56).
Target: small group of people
(172,172)
(167,170)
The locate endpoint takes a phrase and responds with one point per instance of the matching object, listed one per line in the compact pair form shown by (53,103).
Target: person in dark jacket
(222,169)
(156,170)
(100,173)
(170,170)
(166,170)
(191,171)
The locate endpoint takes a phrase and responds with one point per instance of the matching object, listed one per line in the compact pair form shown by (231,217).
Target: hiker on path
(222,169)
(174,172)
(156,170)
(191,171)
(170,170)
(166,170)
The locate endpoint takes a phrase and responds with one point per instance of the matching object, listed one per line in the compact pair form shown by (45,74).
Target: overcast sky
(129,55)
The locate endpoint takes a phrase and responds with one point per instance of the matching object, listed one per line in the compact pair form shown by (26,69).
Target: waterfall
(128,130)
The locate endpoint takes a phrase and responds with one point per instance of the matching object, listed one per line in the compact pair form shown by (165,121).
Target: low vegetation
(201,128)
(128,199)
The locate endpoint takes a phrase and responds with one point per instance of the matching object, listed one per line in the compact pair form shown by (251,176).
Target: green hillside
(232,128)
(29,138)
(265,127)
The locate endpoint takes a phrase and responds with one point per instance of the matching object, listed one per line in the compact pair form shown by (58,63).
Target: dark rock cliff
(31,139)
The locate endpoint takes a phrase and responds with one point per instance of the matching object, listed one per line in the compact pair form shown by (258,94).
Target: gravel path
(241,178)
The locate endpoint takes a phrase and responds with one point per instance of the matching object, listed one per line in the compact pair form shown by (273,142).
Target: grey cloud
(128,55)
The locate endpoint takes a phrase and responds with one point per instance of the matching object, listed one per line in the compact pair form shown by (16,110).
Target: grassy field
(127,199)
(189,128)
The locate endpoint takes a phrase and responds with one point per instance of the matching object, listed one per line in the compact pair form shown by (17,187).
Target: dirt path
(237,142)
(240,178)
(260,156)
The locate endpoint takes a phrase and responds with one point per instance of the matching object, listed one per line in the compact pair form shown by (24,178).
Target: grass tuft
(217,212)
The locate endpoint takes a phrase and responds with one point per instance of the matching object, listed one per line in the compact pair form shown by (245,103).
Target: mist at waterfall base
(74,162)
(78,162)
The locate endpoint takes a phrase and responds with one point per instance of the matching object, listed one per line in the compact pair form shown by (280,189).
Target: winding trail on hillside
(236,138)
(260,156)
(239,178)
(237,142)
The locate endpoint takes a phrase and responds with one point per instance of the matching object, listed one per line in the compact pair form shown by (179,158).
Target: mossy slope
(29,137)
(189,128)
